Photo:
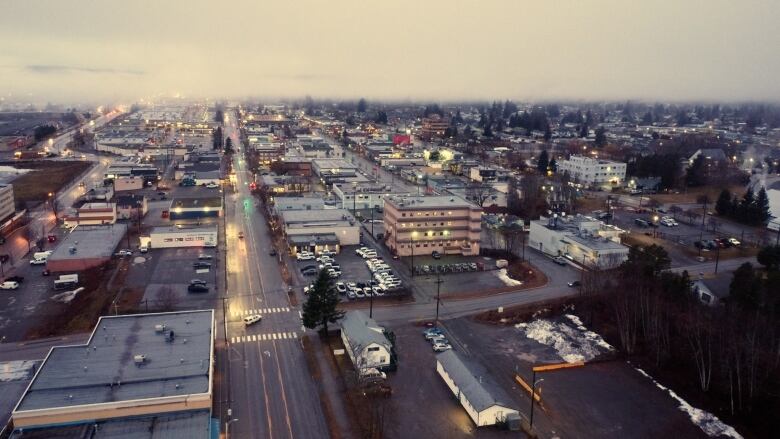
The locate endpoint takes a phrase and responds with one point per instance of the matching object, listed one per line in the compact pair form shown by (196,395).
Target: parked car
(250,320)
(212,185)
(204,257)
(37,261)
(198,288)
(574,283)
(18,279)
(9,285)
(197,282)
(240,235)
(304,256)
(560,260)
(735,242)
(341,288)
(272,252)
(436,255)
(432,332)
(124,253)
(200,264)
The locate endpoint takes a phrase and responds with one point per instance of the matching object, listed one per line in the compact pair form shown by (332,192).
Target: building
(86,247)
(361,196)
(131,206)
(92,214)
(170,237)
(133,366)
(582,239)
(589,171)
(421,225)
(267,152)
(130,183)
(282,204)
(713,156)
(480,397)
(333,170)
(7,202)
(365,342)
(191,208)
(333,227)
(316,150)
(434,127)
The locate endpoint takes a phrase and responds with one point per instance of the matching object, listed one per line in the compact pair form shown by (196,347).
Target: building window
(373,349)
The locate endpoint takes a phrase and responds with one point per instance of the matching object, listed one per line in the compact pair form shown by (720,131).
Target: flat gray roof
(90,242)
(180,425)
(186,203)
(103,370)
(432,202)
(315,216)
(174,229)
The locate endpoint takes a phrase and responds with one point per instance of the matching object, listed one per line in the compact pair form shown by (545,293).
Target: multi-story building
(434,127)
(7,204)
(421,225)
(92,214)
(591,171)
(581,239)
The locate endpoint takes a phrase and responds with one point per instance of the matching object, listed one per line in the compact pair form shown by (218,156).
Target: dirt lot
(45,177)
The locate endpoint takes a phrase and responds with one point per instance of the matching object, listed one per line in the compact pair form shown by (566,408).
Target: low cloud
(58,69)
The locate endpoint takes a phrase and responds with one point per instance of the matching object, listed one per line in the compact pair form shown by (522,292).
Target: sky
(71,51)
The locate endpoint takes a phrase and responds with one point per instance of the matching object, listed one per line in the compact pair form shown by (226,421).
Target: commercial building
(171,237)
(92,214)
(132,367)
(365,342)
(434,127)
(282,204)
(364,195)
(191,208)
(483,401)
(590,171)
(86,247)
(132,206)
(268,152)
(421,225)
(334,226)
(582,239)
(130,183)
(7,203)
(333,170)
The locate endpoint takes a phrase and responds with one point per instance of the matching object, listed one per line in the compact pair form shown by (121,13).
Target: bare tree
(479,193)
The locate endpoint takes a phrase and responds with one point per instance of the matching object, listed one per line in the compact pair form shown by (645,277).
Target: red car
(52,238)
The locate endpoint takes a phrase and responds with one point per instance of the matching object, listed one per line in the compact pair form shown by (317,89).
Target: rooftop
(432,202)
(97,241)
(315,216)
(472,381)
(104,369)
(362,330)
(174,229)
(189,203)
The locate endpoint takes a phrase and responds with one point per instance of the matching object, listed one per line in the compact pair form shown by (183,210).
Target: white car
(734,241)
(37,261)
(124,253)
(9,285)
(212,185)
(441,347)
(250,320)
(341,288)
(304,256)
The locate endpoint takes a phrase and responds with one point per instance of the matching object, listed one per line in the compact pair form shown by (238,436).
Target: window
(373,349)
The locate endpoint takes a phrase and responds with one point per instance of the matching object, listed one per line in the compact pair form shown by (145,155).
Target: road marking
(264,337)
(273,335)
(232,340)
(254,338)
(295,335)
(245,312)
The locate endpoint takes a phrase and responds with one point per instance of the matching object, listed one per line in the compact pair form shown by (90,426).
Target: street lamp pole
(438,295)
(533,397)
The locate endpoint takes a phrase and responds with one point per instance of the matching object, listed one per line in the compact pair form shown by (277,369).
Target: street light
(533,397)
(227,425)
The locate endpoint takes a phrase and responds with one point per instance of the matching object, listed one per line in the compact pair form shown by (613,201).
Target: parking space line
(295,335)
(232,340)
(254,338)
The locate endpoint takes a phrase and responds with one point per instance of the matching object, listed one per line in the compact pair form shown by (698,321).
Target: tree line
(752,209)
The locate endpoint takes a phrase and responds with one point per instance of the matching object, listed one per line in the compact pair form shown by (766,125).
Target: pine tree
(543,162)
(761,207)
(553,166)
(723,206)
(547,133)
(320,307)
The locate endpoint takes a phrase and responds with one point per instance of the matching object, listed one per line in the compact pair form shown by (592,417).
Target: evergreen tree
(362,106)
(543,162)
(723,206)
(601,136)
(761,215)
(584,130)
(553,166)
(320,307)
(745,288)
(547,133)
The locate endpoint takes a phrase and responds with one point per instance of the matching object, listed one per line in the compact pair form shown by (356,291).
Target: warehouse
(168,237)
(86,247)
(136,366)
(472,392)
(326,222)
(190,208)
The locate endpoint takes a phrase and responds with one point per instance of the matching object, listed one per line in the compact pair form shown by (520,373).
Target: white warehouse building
(173,237)
(591,171)
(582,239)
(471,390)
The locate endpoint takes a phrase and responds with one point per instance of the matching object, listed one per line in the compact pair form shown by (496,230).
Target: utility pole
(438,295)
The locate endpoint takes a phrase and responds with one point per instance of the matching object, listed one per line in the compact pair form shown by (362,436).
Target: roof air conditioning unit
(139,359)
(159,328)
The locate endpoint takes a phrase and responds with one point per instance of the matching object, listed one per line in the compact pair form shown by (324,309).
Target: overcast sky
(76,50)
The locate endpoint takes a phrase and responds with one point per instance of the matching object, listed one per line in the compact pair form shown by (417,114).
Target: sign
(500,309)
(338,352)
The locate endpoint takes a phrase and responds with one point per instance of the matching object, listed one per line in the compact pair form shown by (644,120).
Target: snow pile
(15,370)
(67,296)
(572,343)
(506,279)
(709,423)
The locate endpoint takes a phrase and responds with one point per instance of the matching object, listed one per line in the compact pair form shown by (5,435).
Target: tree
(769,257)
(320,307)
(217,138)
(584,130)
(704,200)
(381,117)
(228,146)
(553,166)
(745,288)
(479,193)
(723,205)
(543,162)
(43,131)
(362,106)
(695,175)
(762,214)
(601,136)
(488,132)
(434,156)
(547,133)
(648,261)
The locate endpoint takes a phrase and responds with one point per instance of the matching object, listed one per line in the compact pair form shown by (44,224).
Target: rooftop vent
(159,328)
(139,359)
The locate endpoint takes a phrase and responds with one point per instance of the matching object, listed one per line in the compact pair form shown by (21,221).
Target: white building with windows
(589,171)
(365,341)
(581,239)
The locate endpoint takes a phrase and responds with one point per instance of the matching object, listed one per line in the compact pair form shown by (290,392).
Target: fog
(78,50)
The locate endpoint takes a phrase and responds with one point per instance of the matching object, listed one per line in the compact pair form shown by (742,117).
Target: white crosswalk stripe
(263,337)
(261,311)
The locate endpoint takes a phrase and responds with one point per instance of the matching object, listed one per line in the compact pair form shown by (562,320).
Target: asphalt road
(271,391)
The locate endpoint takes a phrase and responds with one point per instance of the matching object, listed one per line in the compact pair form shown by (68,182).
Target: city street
(271,391)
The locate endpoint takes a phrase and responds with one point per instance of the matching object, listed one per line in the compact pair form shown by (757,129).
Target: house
(480,397)
(130,206)
(365,342)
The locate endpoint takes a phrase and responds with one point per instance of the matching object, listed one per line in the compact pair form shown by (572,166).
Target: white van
(42,255)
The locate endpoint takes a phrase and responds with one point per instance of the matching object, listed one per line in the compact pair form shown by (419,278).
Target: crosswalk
(261,311)
(264,337)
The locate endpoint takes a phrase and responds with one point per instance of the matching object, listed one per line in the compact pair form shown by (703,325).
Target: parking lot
(168,273)
(421,398)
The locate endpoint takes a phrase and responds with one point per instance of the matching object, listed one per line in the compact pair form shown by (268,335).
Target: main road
(272,394)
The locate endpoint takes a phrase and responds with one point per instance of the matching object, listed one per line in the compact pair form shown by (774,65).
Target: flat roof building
(86,247)
(586,170)
(203,207)
(421,225)
(582,239)
(325,223)
(132,365)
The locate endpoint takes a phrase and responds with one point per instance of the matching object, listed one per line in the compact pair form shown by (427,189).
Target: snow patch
(709,423)
(572,343)
(506,279)
(15,370)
